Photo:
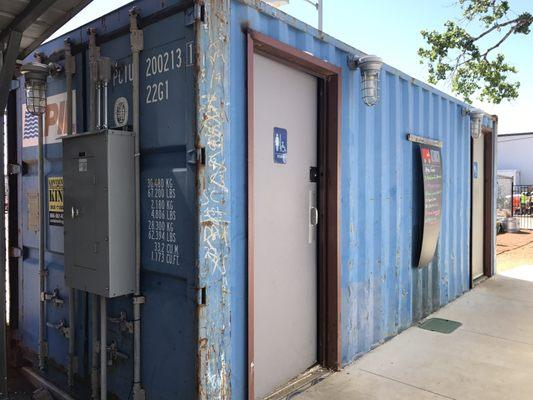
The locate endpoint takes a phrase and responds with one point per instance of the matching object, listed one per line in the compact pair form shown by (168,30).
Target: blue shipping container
(193,135)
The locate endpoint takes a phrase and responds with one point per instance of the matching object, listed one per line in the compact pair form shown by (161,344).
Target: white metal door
(478,169)
(284,215)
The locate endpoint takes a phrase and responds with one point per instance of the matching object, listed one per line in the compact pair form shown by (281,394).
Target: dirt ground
(514,250)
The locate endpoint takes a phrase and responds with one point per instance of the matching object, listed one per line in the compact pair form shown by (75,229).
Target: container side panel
(383,292)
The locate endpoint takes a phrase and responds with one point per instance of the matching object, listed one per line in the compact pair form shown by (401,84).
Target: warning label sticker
(55,201)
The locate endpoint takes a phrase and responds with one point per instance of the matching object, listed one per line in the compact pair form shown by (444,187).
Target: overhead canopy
(24,25)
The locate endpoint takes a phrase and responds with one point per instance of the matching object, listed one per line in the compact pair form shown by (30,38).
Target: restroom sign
(55,201)
(280,146)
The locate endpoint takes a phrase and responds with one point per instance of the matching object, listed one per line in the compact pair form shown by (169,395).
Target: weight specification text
(161,194)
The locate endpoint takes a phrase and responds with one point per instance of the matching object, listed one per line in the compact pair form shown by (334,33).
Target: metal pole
(72,336)
(93,73)
(93,110)
(95,347)
(69,71)
(320,8)
(98,105)
(103,348)
(136,41)
(3,297)
(42,271)
(104,105)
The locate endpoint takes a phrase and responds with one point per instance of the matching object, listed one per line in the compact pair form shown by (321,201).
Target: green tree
(469,61)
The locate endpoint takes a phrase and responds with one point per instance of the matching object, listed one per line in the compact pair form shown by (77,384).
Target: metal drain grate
(440,325)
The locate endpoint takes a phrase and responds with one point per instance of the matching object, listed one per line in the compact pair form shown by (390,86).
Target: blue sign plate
(280,146)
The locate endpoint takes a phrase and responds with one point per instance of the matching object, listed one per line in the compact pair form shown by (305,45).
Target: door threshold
(478,280)
(301,383)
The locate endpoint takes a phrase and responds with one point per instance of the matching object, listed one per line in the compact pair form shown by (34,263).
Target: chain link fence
(523,205)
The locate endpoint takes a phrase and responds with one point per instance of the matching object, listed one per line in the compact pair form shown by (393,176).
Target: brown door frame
(488,195)
(329,138)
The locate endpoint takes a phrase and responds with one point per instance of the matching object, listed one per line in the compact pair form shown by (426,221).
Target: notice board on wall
(432,179)
(427,174)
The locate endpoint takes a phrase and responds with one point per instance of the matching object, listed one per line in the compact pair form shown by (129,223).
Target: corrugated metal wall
(382,290)
(169,277)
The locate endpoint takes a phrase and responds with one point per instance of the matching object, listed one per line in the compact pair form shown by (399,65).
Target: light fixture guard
(370,67)
(35,75)
(476,122)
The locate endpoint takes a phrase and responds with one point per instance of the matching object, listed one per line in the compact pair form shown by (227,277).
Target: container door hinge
(202,296)
(23,168)
(192,156)
(15,252)
(195,13)
(196,156)
(139,300)
(14,169)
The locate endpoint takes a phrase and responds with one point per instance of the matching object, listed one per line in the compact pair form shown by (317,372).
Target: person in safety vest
(523,199)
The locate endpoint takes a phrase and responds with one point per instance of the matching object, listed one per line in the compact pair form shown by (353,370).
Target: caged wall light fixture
(35,75)
(476,121)
(370,67)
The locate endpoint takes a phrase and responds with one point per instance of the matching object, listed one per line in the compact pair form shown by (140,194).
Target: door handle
(313,216)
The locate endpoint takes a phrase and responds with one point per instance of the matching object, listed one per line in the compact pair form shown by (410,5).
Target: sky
(391,30)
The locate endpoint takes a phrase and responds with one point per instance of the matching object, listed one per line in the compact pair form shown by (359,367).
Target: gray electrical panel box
(99,212)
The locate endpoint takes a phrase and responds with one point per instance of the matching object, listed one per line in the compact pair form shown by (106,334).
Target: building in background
(515,157)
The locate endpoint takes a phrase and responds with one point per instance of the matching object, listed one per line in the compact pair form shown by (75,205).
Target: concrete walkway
(489,357)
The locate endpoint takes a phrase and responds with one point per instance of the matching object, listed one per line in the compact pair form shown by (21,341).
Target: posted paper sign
(55,200)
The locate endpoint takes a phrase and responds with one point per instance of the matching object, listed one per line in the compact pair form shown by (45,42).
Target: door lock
(313,174)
